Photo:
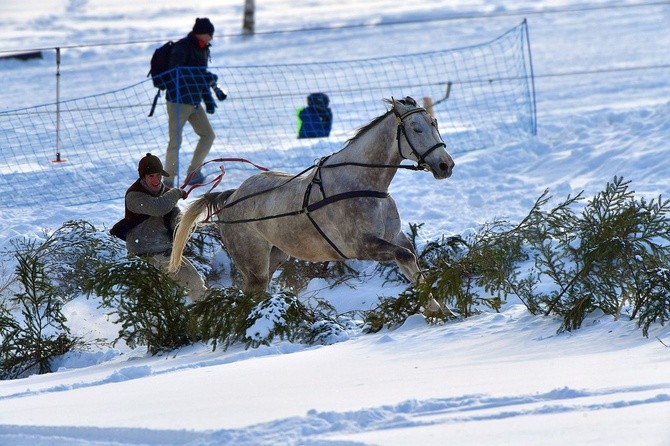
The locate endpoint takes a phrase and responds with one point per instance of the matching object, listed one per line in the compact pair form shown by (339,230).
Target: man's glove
(220,94)
(184,194)
(210,105)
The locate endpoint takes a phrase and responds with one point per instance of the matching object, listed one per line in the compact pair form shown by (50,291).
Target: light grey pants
(186,275)
(178,115)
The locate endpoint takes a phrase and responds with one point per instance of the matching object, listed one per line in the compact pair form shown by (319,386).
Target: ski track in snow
(318,427)
(315,426)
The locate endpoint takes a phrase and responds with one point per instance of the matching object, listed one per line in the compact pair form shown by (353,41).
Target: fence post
(58,157)
(428,105)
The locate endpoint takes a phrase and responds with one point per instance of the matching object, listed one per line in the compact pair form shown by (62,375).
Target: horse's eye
(434,123)
(417,129)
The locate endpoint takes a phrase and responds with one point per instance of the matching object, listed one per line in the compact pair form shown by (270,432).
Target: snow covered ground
(603,97)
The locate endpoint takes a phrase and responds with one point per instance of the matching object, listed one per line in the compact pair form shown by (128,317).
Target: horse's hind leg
(258,273)
(251,257)
(277,259)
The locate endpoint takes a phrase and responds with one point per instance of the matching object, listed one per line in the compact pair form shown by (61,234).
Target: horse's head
(419,139)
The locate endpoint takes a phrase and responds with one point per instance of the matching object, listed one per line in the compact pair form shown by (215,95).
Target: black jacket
(189,79)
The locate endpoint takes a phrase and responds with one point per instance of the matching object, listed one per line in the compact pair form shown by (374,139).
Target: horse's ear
(410,101)
(394,104)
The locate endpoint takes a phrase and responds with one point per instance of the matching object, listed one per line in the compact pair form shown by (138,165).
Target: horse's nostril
(445,166)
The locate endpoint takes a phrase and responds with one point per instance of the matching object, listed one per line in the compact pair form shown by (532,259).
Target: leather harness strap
(307,208)
(314,206)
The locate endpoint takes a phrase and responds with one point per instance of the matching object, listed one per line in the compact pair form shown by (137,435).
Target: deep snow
(603,92)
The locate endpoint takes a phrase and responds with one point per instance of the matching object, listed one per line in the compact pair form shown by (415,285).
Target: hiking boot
(198,178)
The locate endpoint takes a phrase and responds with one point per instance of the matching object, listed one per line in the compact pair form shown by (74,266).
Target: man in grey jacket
(150,217)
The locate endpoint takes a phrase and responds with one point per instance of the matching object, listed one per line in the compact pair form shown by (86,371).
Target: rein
(255,194)
(215,182)
(311,207)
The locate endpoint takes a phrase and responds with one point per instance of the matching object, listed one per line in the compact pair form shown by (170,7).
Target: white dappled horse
(341,210)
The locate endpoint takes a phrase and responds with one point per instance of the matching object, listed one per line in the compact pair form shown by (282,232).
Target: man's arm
(141,203)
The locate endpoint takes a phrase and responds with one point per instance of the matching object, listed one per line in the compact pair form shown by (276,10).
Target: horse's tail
(189,221)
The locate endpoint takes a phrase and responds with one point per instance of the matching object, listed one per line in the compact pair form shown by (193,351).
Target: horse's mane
(366,127)
(362,130)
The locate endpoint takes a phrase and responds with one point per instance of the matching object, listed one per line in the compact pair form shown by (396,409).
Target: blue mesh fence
(490,102)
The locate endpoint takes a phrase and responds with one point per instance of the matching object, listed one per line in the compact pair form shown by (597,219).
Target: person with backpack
(151,213)
(187,83)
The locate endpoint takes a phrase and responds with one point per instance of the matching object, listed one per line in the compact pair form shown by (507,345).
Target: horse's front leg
(410,269)
(378,249)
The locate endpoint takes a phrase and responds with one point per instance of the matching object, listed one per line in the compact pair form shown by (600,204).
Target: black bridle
(421,159)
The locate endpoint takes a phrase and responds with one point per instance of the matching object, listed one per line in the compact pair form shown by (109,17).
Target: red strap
(215,182)
(221,160)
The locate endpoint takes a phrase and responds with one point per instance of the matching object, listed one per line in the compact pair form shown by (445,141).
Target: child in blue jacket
(316,119)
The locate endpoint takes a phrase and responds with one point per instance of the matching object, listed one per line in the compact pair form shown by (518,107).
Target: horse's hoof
(439,312)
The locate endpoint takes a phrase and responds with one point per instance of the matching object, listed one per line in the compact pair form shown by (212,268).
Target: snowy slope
(603,92)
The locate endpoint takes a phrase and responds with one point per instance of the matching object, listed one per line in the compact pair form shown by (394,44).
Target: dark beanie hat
(151,164)
(203,26)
